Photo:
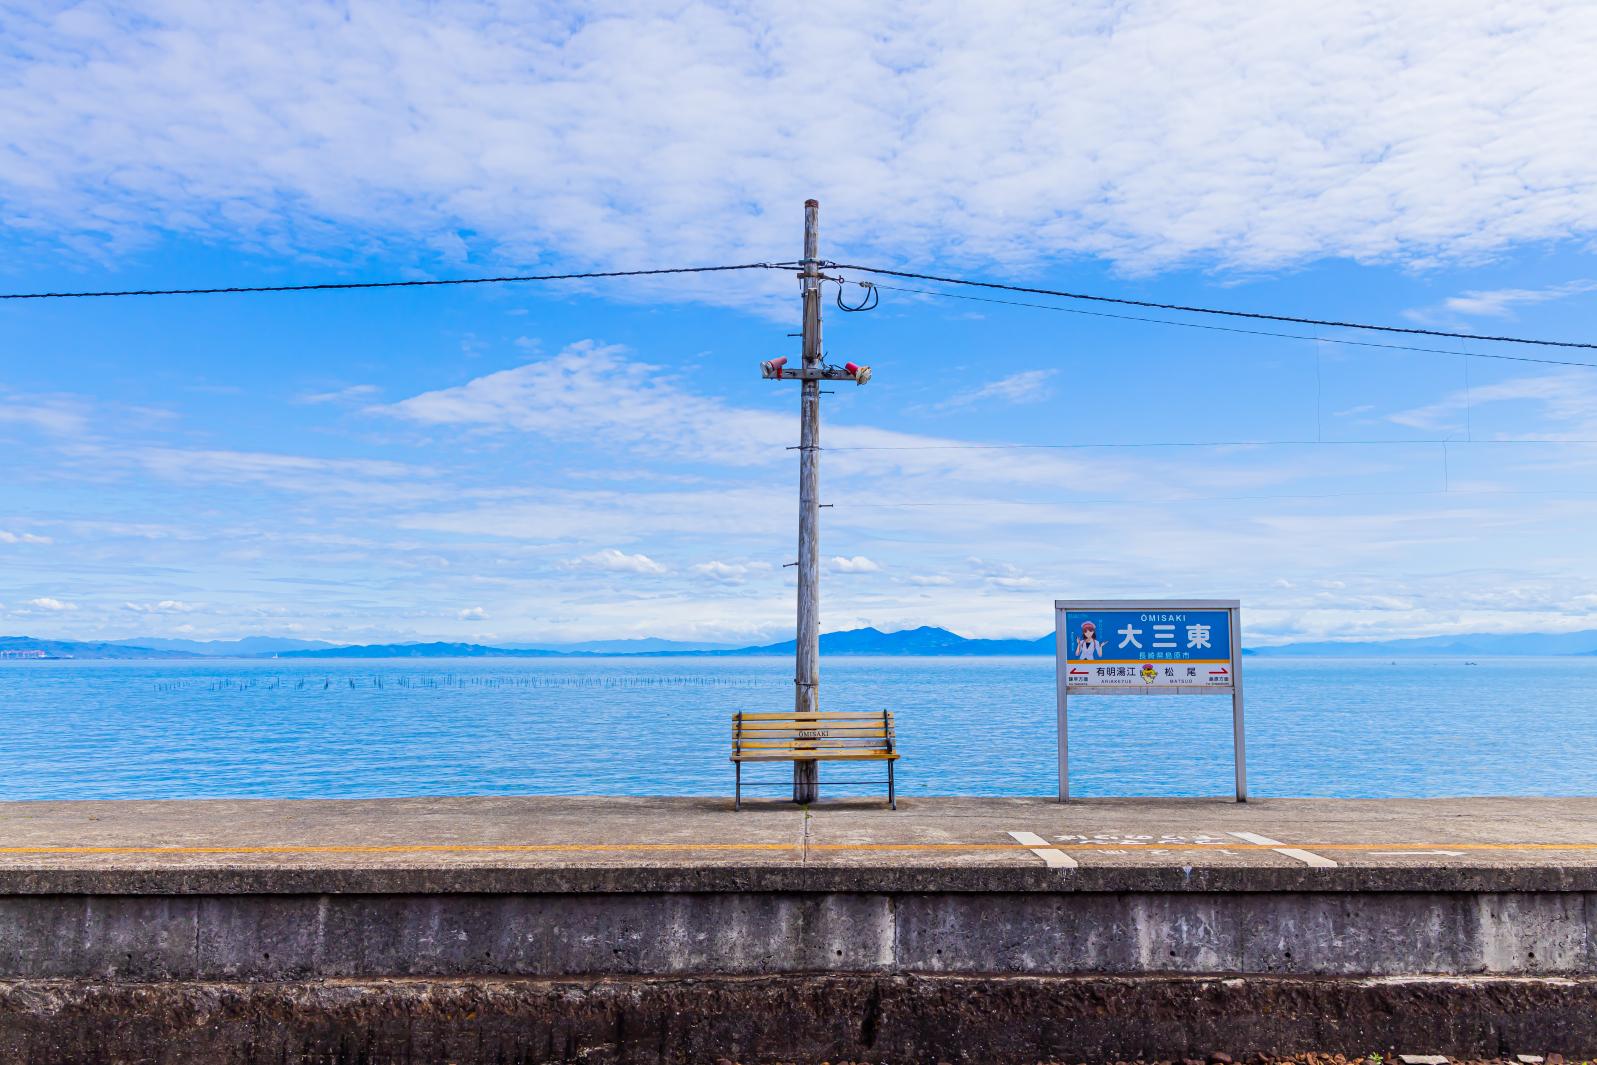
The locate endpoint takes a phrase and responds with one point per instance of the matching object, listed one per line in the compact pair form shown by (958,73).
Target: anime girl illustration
(1088,646)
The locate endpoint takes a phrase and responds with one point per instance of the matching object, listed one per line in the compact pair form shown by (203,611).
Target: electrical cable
(868,302)
(1217,443)
(994,504)
(1238,329)
(1209,310)
(340,286)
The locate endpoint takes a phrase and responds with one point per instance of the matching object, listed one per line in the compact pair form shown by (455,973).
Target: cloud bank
(1148,133)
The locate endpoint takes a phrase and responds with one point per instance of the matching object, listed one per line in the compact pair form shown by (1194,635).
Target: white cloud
(61,416)
(1148,132)
(731,572)
(1027,386)
(597,395)
(1004,576)
(930,580)
(333,478)
(618,562)
(22,538)
(856,564)
(594,392)
(351,394)
(1499,303)
(165,606)
(1568,399)
(472,613)
(53,605)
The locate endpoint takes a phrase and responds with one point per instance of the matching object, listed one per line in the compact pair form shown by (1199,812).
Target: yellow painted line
(556,848)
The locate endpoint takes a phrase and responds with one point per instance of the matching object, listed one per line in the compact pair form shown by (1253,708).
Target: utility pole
(807,655)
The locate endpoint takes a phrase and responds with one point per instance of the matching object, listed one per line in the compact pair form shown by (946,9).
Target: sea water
(327,728)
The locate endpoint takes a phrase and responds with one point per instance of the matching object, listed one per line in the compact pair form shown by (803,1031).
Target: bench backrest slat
(820,731)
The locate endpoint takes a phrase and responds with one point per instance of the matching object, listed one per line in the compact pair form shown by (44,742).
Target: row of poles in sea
(449,680)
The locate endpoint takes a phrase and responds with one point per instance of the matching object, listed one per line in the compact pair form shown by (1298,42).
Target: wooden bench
(819,737)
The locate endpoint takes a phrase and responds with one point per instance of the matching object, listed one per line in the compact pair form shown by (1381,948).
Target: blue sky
(593,460)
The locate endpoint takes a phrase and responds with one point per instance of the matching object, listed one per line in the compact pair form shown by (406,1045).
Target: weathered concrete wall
(300,936)
(891,1019)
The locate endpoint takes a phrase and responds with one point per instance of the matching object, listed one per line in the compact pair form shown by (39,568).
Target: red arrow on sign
(1078,672)
(1221,672)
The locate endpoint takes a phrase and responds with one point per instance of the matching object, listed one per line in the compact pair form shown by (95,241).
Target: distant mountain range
(422,650)
(926,640)
(249,645)
(1473,645)
(641,645)
(81,649)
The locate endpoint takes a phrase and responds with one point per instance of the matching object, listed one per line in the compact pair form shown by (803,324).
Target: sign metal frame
(1233,609)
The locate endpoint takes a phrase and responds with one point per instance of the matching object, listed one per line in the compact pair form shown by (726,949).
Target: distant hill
(1475,645)
(248,646)
(86,649)
(634,646)
(420,650)
(926,640)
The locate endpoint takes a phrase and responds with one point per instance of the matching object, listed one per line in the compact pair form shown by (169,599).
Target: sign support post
(1239,742)
(1149,647)
(1062,701)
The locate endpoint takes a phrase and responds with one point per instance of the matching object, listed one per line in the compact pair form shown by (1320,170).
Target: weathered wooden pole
(807,647)
(807,654)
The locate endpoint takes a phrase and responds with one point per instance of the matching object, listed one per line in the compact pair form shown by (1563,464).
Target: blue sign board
(1156,647)
(1150,646)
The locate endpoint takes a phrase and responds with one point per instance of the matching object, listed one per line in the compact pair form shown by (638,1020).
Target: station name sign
(1163,646)
(1153,647)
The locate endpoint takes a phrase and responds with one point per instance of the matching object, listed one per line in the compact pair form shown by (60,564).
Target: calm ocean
(323,728)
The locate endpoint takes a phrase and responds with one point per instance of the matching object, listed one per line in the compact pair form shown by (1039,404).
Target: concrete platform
(614,843)
(627,929)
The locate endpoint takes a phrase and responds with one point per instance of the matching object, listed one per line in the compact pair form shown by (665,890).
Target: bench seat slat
(821,756)
(765,726)
(810,738)
(822,716)
(812,741)
(823,726)
(847,733)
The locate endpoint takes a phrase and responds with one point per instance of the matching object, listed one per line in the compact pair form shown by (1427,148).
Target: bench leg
(892,800)
(737,794)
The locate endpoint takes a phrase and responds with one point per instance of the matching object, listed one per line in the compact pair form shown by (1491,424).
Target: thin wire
(1237,329)
(995,503)
(339,286)
(1211,310)
(1216,443)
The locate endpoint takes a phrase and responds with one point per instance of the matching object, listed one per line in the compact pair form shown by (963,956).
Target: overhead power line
(996,504)
(1210,310)
(344,285)
(1238,329)
(1430,442)
(340,286)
